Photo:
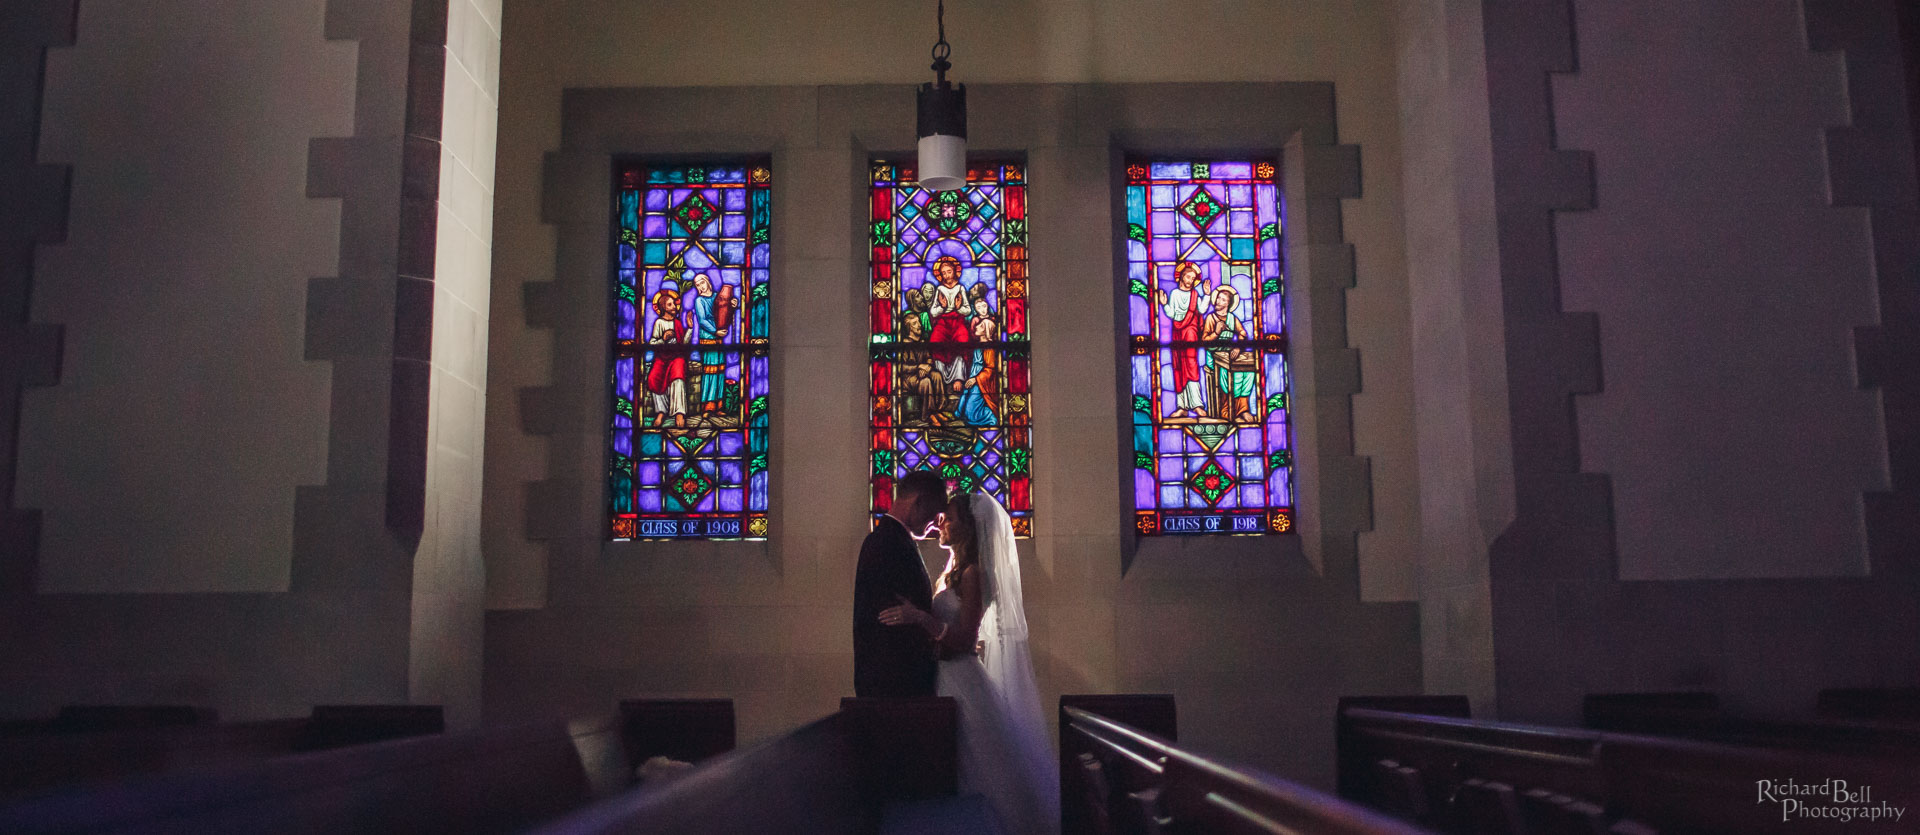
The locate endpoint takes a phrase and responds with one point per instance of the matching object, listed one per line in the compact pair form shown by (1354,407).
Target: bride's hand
(905,614)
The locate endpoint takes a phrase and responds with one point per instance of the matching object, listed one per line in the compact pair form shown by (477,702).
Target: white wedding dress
(1004,752)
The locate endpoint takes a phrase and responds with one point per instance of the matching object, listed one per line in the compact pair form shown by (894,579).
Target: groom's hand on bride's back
(904,613)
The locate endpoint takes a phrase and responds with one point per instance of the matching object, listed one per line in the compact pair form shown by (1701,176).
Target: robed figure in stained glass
(1185,307)
(976,388)
(712,315)
(667,375)
(947,305)
(1234,370)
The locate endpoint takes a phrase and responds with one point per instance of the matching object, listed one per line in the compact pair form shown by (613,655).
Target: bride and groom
(963,635)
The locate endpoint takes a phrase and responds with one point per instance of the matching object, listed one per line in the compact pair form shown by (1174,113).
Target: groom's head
(918,498)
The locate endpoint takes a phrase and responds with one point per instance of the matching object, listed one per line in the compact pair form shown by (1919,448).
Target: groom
(896,660)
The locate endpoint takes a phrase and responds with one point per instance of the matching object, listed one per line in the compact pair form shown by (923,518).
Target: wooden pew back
(496,780)
(93,718)
(688,730)
(805,781)
(1886,704)
(1171,790)
(89,746)
(835,775)
(1097,787)
(1700,716)
(1505,777)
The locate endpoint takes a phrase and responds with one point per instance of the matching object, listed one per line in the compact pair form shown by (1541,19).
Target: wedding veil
(1005,618)
(1009,664)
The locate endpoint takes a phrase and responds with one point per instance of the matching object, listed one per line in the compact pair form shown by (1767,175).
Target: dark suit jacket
(890,660)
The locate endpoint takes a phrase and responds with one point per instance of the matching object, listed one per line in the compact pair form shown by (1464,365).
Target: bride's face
(945,526)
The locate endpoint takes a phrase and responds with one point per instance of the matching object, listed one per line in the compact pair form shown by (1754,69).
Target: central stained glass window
(688,457)
(1207,314)
(950,353)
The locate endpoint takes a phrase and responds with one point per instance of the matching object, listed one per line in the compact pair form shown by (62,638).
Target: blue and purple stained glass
(950,354)
(688,457)
(1206,306)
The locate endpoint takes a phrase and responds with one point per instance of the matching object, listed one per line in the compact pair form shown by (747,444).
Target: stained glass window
(1206,304)
(688,455)
(950,351)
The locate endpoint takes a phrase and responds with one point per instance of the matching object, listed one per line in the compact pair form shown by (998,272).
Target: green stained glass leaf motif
(1141,403)
(623,406)
(758,407)
(1270,231)
(949,470)
(757,464)
(950,211)
(630,237)
(882,233)
(1014,232)
(1270,287)
(626,292)
(883,462)
(1276,403)
(1138,288)
(760,292)
(1018,459)
(1137,232)
(1282,458)
(760,235)
(1212,482)
(1143,461)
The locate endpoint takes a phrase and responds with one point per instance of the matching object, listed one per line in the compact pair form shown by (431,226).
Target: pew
(688,730)
(94,743)
(1608,711)
(1462,775)
(1088,784)
(90,718)
(1118,779)
(1700,716)
(1890,704)
(1398,790)
(877,765)
(495,780)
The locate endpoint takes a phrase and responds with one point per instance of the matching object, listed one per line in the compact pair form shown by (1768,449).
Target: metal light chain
(941,49)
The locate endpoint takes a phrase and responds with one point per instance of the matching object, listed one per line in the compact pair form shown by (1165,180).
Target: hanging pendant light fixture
(943,121)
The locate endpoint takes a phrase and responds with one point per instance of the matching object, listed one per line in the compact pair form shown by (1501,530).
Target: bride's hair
(963,536)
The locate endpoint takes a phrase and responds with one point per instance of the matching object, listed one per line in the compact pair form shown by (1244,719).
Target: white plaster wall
(1450,232)
(449,577)
(167,458)
(1727,290)
(605,43)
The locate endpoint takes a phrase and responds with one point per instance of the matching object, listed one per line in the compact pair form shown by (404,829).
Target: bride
(980,627)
